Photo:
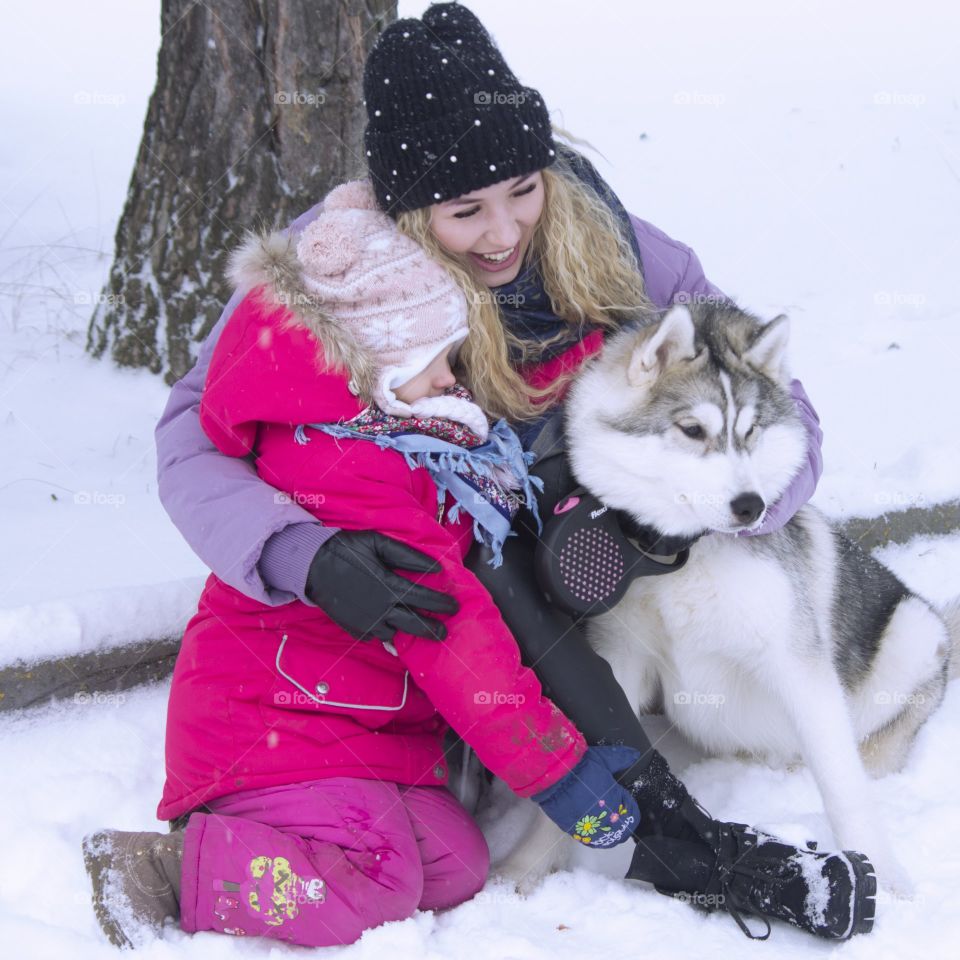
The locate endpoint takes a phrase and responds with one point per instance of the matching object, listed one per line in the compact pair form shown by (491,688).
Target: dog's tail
(951,617)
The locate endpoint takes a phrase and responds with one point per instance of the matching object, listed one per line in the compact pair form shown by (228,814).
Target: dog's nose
(747,507)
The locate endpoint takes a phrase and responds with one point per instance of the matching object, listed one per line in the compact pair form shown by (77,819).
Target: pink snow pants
(318,863)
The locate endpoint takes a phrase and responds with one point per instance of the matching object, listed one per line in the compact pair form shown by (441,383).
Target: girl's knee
(476,869)
(458,875)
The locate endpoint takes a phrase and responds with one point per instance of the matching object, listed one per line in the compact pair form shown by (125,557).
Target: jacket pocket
(368,685)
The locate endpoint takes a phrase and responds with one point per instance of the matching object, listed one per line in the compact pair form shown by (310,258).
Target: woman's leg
(453,851)
(314,864)
(576,678)
(553,644)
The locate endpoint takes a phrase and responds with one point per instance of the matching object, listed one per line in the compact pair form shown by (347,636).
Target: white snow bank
(98,620)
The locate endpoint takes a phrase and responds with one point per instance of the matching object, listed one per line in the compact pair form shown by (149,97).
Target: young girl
(316,758)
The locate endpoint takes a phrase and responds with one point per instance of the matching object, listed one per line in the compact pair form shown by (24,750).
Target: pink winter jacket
(266,695)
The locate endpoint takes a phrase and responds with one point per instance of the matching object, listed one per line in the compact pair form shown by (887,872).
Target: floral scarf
(489,479)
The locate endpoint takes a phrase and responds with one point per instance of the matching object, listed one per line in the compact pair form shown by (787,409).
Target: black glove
(651,540)
(351,580)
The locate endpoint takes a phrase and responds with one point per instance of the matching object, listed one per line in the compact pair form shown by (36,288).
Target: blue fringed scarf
(487,479)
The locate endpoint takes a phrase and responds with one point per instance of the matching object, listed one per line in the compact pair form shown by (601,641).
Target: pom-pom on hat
(383,288)
(445,114)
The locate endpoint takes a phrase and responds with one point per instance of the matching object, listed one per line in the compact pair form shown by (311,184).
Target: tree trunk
(256,114)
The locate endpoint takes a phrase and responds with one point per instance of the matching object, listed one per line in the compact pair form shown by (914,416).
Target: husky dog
(791,645)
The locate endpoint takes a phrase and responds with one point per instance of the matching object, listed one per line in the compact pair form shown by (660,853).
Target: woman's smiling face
(491,228)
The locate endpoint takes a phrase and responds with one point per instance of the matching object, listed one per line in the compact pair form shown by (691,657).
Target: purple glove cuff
(287,555)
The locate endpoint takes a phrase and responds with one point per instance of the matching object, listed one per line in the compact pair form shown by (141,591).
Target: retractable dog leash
(585,562)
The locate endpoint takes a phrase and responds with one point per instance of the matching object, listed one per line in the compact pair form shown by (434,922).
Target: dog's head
(689,424)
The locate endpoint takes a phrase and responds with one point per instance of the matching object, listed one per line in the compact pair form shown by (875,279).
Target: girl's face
(491,228)
(431,381)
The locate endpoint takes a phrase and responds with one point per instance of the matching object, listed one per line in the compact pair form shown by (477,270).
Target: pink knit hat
(384,289)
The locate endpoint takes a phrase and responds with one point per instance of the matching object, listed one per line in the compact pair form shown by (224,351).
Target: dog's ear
(768,353)
(671,342)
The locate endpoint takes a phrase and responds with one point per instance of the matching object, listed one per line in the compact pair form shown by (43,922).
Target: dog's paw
(522,877)
(529,865)
(893,880)
(542,850)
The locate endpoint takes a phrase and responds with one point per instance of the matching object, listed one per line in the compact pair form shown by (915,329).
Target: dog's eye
(692,430)
(750,432)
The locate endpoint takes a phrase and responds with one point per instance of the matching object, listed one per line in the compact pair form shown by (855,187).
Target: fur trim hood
(268,262)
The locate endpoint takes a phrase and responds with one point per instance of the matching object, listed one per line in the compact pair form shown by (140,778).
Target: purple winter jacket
(262,544)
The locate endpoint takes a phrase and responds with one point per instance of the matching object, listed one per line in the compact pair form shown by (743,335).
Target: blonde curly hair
(589,273)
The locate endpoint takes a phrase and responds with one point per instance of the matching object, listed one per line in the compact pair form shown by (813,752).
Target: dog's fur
(789,645)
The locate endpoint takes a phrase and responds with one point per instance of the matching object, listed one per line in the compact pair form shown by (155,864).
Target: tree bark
(256,114)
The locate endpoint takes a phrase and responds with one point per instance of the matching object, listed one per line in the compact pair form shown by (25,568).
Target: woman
(464,158)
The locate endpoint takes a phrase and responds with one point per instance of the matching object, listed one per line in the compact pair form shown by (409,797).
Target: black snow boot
(136,882)
(714,865)
(667,808)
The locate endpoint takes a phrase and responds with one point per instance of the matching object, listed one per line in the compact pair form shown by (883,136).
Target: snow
(98,620)
(811,157)
(106,756)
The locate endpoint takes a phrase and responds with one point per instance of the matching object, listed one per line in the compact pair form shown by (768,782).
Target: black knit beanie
(445,114)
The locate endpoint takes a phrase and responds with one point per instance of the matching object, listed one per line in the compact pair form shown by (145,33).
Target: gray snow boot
(136,882)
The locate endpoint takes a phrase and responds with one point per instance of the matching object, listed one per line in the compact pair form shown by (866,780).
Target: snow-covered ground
(811,157)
